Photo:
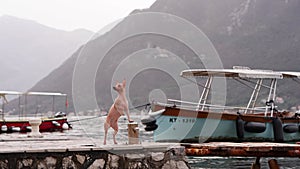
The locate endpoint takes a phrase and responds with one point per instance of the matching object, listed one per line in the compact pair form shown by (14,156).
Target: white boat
(184,121)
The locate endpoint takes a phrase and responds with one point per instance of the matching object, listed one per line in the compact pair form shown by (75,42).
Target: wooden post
(133,133)
(273,164)
(256,164)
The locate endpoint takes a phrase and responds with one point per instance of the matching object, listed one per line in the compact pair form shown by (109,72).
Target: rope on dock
(143,105)
(90,118)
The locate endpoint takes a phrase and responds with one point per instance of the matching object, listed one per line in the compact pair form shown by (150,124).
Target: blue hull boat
(182,121)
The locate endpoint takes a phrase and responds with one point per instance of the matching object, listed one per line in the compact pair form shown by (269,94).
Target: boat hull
(47,125)
(181,125)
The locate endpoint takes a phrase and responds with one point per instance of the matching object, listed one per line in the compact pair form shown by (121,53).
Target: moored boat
(57,122)
(183,121)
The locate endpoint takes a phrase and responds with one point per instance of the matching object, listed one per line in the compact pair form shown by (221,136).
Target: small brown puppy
(119,108)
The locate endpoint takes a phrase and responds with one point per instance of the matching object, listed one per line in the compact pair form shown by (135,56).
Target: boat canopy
(3,93)
(240,73)
(45,94)
(291,74)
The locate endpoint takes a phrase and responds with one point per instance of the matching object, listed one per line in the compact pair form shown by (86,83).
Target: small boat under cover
(58,122)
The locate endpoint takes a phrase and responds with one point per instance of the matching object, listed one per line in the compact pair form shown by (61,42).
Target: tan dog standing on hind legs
(119,108)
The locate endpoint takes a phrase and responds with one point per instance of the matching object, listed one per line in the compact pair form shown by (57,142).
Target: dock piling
(133,133)
(273,164)
(256,164)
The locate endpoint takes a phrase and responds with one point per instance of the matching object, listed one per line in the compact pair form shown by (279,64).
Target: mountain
(259,34)
(29,51)
(243,30)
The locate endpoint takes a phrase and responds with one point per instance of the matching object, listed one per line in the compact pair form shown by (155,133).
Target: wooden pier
(64,152)
(261,149)
(249,149)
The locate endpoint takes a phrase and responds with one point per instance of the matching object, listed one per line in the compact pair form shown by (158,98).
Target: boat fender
(55,123)
(156,113)
(16,129)
(151,127)
(290,128)
(28,128)
(65,126)
(148,121)
(4,128)
(277,130)
(240,127)
(255,127)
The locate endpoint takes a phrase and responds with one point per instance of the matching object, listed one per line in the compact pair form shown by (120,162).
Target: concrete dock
(20,151)
(63,152)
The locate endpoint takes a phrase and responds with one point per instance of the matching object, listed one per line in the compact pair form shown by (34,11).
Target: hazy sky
(72,14)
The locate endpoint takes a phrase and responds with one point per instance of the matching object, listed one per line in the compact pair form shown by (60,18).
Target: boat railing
(197,106)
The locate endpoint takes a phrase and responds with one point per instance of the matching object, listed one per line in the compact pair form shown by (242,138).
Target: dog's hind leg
(106,127)
(116,129)
(114,136)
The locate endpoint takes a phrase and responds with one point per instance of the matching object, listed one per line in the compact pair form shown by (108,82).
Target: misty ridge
(30,51)
(259,34)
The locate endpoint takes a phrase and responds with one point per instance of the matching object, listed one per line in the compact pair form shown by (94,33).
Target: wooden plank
(11,144)
(261,149)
